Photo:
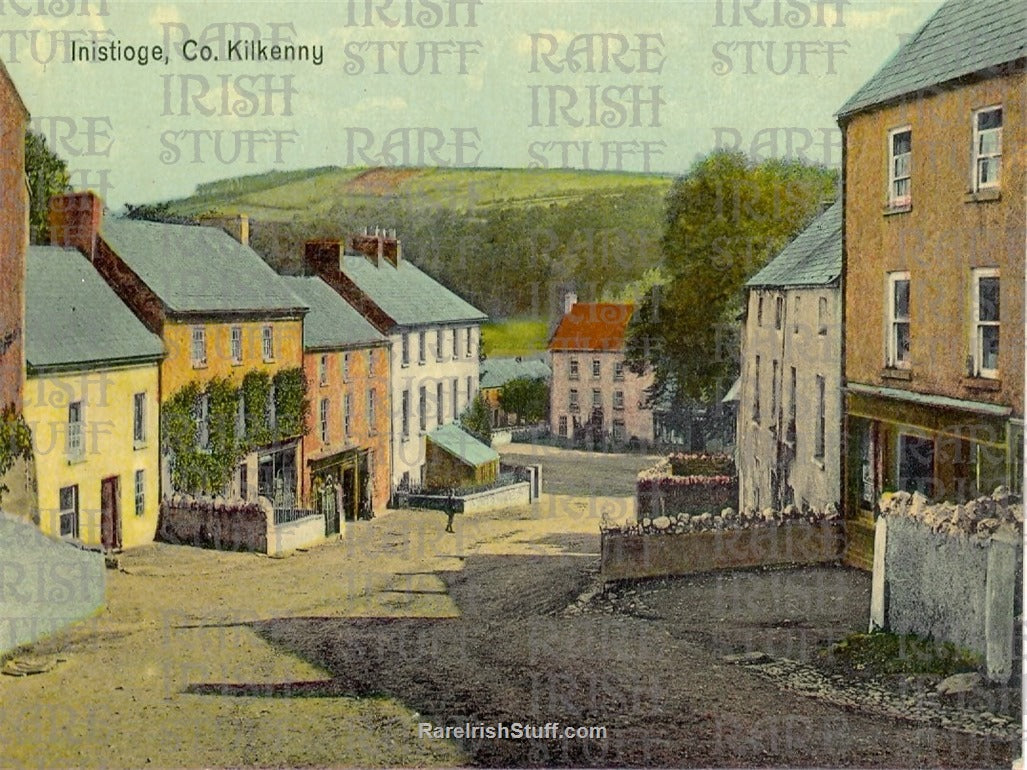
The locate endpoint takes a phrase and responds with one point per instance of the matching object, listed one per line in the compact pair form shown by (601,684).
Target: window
(618,430)
(985,322)
(987,148)
(372,410)
(439,404)
(759,310)
(422,347)
(898,320)
(572,404)
(774,387)
(792,394)
(779,312)
(345,367)
(76,445)
(597,398)
(574,369)
(236,344)
(406,349)
(201,416)
(562,430)
(139,419)
(597,368)
(268,340)
(618,371)
(900,155)
(822,316)
(199,347)
(347,414)
(618,399)
(422,406)
(916,464)
(323,420)
(439,341)
(821,437)
(69,511)
(405,413)
(456,344)
(470,343)
(795,314)
(140,492)
(456,396)
(322,371)
(470,390)
(756,390)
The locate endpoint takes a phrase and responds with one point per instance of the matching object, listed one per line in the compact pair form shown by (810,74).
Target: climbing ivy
(209,468)
(15,442)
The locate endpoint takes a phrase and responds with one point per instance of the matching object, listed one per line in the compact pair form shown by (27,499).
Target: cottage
(498,372)
(934,265)
(593,392)
(91,400)
(789,397)
(435,337)
(346,450)
(454,458)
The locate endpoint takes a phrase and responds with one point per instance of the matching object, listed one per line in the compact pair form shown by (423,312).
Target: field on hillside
(514,337)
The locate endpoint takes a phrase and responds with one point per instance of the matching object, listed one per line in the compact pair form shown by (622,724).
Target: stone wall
(296,534)
(661,492)
(952,573)
(233,525)
(45,583)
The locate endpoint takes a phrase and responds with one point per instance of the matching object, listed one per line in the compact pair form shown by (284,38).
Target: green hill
(506,239)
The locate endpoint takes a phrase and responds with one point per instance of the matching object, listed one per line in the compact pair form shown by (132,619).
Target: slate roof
(961,38)
(462,445)
(592,326)
(332,322)
(814,258)
(407,294)
(198,269)
(496,372)
(73,319)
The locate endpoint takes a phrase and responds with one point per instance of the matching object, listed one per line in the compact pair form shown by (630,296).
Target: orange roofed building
(592,389)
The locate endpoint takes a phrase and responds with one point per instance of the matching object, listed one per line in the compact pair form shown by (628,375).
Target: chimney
(570,298)
(238,226)
(323,257)
(381,245)
(75,220)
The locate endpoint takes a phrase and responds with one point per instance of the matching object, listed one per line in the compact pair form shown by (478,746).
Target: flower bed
(661,491)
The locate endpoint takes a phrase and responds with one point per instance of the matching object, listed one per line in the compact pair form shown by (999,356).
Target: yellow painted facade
(178,368)
(108,449)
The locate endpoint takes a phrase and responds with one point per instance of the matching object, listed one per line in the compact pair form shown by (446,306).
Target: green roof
(332,322)
(407,294)
(462,445)
(73,319)
(962,38)
(814,258)
(496,372)
(196,269)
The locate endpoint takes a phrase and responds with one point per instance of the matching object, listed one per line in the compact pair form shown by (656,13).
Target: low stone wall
(228,525)
(626,555)
(952,573)
(660,491)
(45,584)
(296,534)
(518,493)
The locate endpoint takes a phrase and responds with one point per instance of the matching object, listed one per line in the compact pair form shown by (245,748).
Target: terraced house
(347,447)
(934,264)
(435,337)
(231,385)
(91,400)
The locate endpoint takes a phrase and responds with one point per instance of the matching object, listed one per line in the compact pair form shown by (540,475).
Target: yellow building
(91,400)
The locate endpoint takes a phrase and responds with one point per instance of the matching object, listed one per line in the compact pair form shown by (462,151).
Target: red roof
(592,326)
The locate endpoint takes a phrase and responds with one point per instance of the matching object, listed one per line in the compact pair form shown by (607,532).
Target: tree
(47,176)
(725,219)
(477,419)
(526,397)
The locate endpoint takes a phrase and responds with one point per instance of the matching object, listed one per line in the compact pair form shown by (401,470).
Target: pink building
(592,388)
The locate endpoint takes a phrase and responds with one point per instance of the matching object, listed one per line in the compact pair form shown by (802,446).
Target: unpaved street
(333,657)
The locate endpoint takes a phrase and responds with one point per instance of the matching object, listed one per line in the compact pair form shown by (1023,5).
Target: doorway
(110,514)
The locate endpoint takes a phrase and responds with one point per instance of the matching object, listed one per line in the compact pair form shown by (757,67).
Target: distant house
(497,372)
(592,389)
(435,337)
(454,458)
(347,448)
(223,315)
(934,267)
(789,397)
(91,401)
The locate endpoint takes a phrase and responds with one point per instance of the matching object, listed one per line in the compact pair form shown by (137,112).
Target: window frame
(978,156)
(139,487)
(72,511)
(322,370)
(573,405)
(323,410)
(75,445)
(422,347)
(405,413)
(597,368)
(372,410)
(470,342)
(347,415)
(895,200)
(574,370)
(893,322)
(820,438)
(139,420)
(198,347)
(440,404)
(756,391)
(267,342)
(822,316)
(235,345)
(404,346)
(977,325)
(422,407)
(618,400)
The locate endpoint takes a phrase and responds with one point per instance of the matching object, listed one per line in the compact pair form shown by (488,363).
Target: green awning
(930,399)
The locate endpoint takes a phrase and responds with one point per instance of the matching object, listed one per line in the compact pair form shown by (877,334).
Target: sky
(649,85)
